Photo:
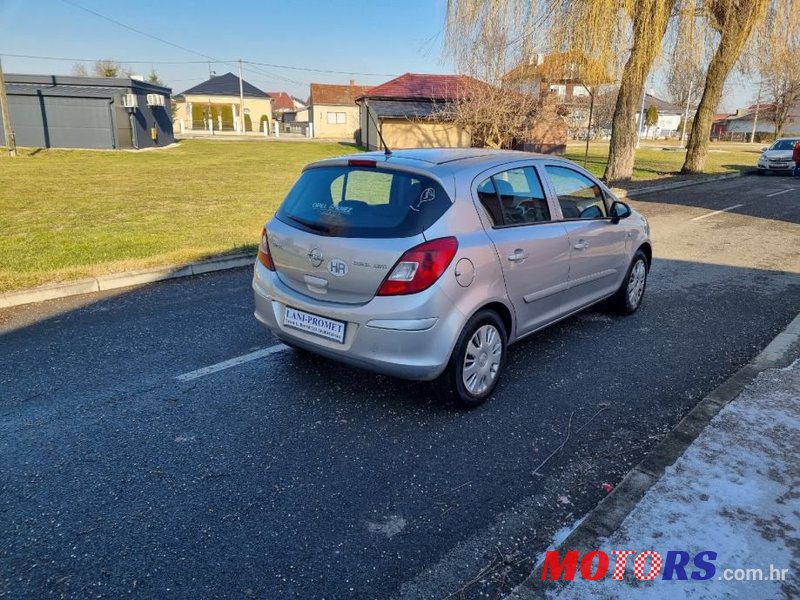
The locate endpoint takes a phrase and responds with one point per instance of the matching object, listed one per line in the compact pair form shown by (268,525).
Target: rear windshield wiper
(310,224)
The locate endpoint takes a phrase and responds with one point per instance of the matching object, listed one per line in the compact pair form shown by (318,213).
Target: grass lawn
(68,214)
(653,162)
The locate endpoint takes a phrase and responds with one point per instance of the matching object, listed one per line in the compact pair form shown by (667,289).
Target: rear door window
(514,197)
(363,202)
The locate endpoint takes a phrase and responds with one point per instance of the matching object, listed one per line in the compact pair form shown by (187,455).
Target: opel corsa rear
(428,263)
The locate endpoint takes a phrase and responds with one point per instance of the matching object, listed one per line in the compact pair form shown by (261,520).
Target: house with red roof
(414,111)
(285,108)
(332,110)
(719,125)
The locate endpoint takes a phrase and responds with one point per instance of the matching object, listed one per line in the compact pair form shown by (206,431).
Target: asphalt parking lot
(293,476)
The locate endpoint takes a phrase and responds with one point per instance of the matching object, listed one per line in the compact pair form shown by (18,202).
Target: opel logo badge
(315,257)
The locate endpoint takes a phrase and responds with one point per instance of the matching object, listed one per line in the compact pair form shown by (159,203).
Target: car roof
(427,158)
(440,156)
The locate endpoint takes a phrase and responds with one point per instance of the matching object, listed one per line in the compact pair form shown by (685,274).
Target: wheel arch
(502,311)
(648,252)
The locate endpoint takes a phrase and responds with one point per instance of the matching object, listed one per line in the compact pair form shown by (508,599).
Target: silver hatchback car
(431,262)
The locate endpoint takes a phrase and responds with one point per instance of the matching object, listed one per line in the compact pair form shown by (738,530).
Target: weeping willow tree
(732,23)
(606,32)
(493,116)
(648,24)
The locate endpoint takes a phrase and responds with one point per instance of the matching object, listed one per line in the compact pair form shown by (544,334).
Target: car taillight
(419,268)
(264,257)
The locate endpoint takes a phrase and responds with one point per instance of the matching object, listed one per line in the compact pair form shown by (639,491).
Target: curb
(121,280)
(622,193)
(611,511)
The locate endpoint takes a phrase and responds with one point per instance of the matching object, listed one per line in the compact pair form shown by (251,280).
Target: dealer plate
(321,326)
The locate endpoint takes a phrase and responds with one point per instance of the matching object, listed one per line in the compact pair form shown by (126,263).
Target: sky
(369,41)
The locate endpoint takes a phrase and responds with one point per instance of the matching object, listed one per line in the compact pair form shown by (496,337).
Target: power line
(251,62)
(254,63)
(132,62)
(254,69)
(253,66)
(139,31)
(173,44)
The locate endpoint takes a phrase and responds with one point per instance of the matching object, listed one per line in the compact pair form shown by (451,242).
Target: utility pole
(589,127)
(686,114)
(755,118)
(241,100)
(11,143)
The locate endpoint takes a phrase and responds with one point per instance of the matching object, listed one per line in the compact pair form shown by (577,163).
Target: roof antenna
(386,152)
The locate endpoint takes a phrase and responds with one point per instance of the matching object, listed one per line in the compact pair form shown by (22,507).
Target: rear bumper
(410,337)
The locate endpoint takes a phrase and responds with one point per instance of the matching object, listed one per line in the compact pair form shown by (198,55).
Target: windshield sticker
(427,195)
(331,208)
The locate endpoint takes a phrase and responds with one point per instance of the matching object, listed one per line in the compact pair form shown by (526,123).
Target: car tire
(628,298)
(477,359)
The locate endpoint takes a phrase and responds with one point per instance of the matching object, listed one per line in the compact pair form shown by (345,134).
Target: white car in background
(777,158)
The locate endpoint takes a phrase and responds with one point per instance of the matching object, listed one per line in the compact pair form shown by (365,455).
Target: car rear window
(363,202)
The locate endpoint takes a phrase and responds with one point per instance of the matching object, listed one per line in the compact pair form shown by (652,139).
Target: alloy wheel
(636,283)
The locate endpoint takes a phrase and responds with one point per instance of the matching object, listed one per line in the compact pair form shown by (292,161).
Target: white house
(669,117)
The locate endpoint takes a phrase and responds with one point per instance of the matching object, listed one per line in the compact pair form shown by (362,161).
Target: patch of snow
(733,492)
(390,526)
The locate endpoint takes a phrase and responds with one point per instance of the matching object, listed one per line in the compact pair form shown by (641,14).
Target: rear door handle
(582,245)
(518,256)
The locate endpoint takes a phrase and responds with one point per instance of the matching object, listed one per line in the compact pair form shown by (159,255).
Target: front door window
(578,196)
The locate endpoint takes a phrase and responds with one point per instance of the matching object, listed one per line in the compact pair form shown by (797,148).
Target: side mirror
(619,210)
(765,148)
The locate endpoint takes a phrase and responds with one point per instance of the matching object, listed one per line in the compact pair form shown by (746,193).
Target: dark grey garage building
(55,111)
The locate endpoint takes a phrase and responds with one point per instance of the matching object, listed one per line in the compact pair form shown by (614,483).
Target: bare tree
(79,70)
(733,21)
(785,94)
(605,100)
(107,68)
(687,59)
(776,55)
(685,83)
(494,117)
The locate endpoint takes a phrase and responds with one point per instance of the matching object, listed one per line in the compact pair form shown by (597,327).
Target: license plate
(321,326)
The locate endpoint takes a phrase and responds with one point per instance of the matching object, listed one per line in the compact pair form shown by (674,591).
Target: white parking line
(779,193)
(233,362)
(716,212)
